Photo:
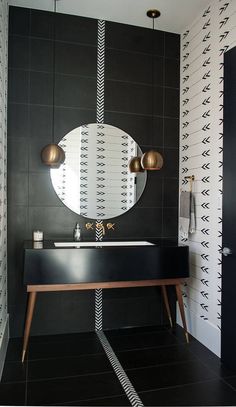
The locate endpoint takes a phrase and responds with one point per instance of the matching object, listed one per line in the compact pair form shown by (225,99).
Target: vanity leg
(29,316)
(181,308)
(166,301)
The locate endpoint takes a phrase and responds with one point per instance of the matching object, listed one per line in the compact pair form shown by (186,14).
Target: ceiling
(176,15)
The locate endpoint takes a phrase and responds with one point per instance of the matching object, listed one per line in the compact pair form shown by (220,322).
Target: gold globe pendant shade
(135,165)
(152,160)
(52,155)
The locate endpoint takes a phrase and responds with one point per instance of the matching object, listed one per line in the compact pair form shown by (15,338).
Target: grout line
(119,371)
(178,386)
(78,402)
(49,379)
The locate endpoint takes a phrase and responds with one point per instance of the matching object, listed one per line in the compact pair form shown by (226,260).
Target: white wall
(3,180)
(201,142)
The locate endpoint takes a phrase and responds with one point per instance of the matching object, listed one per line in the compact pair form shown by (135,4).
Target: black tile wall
(128,105)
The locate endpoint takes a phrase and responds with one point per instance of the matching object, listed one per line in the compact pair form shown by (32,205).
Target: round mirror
(94,181)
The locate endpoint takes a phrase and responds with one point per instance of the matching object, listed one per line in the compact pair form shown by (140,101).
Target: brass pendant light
(152,160)
(135,165)
(52,154)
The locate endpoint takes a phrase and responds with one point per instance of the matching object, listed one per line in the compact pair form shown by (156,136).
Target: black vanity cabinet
(51,265)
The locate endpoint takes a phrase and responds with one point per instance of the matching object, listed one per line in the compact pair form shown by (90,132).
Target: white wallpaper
(3,167)
(201,145)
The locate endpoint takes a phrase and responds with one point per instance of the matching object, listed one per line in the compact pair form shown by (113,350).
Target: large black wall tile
(68,119)
(41,24)
(128,312)
(18,53)
(41,55)
(59,312)
(170,222)
(55,221)
(41,191)
(171,192)
(18,120)
(41,122)
(73,91)
(139,127)
(17,154)
(41,88)
(126,37)
(128,97)
(171,163)
(171,107)
(172,72)
(125,66)
(76,29)
(172,45)
(171,132)
(153,191)
(76,59)
(18,188)
(18,86)
(19,20)
(141,222)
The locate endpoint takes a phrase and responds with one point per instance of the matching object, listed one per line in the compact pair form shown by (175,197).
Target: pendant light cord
(153,90)
(53,70)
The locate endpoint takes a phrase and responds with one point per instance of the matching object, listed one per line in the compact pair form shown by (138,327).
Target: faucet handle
(110,226)
(89,226)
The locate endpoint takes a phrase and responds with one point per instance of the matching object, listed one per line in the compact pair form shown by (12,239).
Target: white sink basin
(101,244)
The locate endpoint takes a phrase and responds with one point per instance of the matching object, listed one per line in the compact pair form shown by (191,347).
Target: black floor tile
(135,330)
(141,340)
(12,394)
(67,348)
(209,393)
(73,389)
(210,359)
(74,337)
(169,375)
(133,359)
(231,380)
(108,401)
(14,372)
(73,366)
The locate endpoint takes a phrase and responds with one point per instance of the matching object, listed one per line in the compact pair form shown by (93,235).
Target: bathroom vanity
(65,266)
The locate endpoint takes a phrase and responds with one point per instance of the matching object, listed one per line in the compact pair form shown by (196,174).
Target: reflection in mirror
(94,180)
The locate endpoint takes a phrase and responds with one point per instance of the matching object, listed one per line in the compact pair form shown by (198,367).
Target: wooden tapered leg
(29,316)
(181,309)
(166,301)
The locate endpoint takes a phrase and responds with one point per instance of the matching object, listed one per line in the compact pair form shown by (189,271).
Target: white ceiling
(176,15)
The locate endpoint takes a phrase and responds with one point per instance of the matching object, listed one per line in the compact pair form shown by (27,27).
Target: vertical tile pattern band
(118,369)
(100,119)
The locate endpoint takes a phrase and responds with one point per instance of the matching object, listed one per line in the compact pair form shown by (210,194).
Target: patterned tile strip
(118,369)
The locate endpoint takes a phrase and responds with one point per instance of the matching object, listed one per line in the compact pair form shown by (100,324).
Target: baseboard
(206,333)
(3,345)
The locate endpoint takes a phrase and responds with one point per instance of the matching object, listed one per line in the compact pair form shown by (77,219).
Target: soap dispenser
(77,233)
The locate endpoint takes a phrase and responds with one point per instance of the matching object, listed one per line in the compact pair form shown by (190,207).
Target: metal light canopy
(52,154)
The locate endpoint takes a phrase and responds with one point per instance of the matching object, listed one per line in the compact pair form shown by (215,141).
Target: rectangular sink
(101,244)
